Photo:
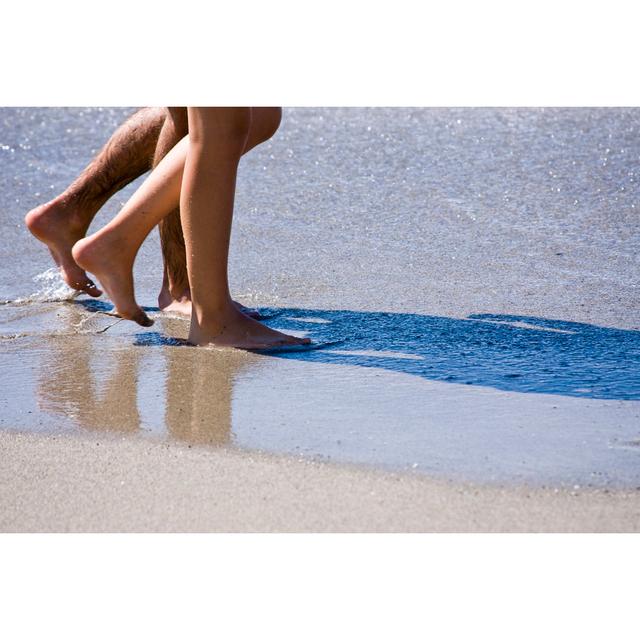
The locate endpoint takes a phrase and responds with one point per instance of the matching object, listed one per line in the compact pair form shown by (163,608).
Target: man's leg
(174,294)
(65,219)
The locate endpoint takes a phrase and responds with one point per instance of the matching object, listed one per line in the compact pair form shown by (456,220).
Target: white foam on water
(51,288)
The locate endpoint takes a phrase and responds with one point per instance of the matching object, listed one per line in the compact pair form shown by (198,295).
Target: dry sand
(83,484)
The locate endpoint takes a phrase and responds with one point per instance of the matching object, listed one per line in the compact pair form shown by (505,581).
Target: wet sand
(476,270)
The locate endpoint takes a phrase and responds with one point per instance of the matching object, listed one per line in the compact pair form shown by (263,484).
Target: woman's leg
(175,295)
(218,137)
(110,252)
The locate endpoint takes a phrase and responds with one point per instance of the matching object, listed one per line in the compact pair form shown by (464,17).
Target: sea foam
(51,288)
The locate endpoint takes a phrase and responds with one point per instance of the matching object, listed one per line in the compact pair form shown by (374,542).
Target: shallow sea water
(475,271)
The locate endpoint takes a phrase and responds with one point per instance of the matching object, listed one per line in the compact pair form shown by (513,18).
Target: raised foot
(234,329)
(55,224)
(111,263)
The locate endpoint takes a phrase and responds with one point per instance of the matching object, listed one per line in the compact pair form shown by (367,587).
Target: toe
(142,319)
(90,288)
(85,285)
(77,279)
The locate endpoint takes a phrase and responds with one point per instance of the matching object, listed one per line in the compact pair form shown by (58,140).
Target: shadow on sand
(506,352)
(510,353)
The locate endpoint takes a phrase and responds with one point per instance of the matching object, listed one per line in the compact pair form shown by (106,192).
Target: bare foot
(232,328)
(110,260)
(182,305)
(169,304)
(55,224)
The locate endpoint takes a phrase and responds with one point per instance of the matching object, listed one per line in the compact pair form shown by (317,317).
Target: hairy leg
(174,294)
(65,219)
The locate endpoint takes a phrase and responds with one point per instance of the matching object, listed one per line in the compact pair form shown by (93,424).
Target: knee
(179,120)
(264,123)
(270,119)
(220,127)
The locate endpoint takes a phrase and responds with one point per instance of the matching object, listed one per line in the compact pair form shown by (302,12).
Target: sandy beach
(472,273)
(111,485)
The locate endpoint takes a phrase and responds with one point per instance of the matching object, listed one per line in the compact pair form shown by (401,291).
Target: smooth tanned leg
(218,138)
(175,295)
(110,252)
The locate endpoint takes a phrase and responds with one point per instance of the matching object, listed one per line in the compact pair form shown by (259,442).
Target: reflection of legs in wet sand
(140,143)
(209,159)
(67,387)
(98,390)
(199,394)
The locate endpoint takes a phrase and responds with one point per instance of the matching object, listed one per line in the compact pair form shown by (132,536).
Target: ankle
(215,316)
(179,292)
(105,245)
(83,204)
(77,215)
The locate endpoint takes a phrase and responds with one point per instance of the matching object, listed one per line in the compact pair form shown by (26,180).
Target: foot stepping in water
(53,224)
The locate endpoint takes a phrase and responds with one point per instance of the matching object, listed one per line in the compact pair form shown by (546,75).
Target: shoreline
(66,483)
